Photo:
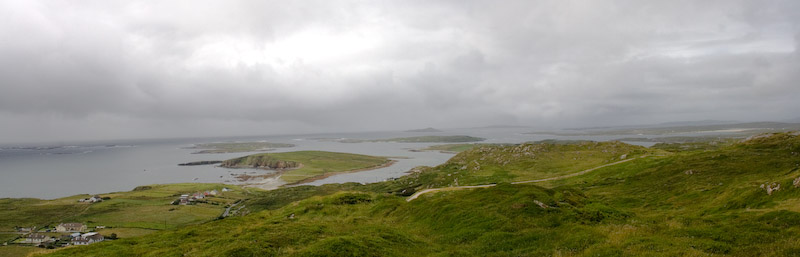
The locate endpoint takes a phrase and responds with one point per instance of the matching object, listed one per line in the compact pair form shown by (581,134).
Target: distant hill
(742,129)
(424,130)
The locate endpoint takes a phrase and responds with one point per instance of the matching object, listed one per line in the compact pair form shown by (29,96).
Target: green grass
(148,207)
(314,163)
(19,251)
(649,206)
(487,164)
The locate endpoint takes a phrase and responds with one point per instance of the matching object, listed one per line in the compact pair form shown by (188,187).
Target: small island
(306,166)
(424,130)
(420,139)
(237,147)
(197,163)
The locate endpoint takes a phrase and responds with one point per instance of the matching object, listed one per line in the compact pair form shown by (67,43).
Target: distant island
(237,147)
(424,130)
(420,139)
(199,163)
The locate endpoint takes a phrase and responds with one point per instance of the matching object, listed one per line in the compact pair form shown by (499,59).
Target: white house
(36,238)
(88,238)
(95,199)
(70,227)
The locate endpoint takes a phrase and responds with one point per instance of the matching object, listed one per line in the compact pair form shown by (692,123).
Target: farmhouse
(70,227)
(88,238)
(95,199)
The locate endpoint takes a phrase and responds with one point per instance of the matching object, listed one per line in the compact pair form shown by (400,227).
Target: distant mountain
(743,129)
(662,125)
(501,127)
(795,120)
(424,130)
(695,123)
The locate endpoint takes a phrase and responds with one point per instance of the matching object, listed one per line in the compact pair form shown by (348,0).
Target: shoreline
(329,174)
(274,181)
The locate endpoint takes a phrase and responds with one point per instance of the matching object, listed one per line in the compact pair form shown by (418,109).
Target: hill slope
(693,203)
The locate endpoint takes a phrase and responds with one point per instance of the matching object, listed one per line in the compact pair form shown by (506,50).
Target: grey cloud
(108,69)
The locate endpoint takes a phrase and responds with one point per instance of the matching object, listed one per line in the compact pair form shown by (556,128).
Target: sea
(50,171)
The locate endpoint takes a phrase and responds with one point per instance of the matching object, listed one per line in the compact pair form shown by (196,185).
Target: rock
(541,204)
(688,172)
(771,187)
(623,157)
(796,182)
(199,163)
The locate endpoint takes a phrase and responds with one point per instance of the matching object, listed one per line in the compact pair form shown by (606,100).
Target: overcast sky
(77,70)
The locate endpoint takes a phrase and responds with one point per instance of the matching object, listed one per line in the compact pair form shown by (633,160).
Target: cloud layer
(122,69)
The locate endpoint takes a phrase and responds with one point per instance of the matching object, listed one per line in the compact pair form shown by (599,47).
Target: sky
(95,70)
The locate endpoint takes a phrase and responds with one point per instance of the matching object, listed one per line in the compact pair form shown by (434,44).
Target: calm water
(52,171)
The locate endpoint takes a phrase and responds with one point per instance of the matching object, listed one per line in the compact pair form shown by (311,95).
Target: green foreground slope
(693,203)
(146,209)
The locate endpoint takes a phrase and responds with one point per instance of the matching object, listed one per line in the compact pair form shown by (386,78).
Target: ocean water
(59,170)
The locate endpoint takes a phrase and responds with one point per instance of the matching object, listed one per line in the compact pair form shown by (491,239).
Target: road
(417,194)
(228,210)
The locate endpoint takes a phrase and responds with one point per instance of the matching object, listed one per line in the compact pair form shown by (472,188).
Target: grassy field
(128,214)
(237,147)
(21,251)
(145,208)
(313,163)
(688,203)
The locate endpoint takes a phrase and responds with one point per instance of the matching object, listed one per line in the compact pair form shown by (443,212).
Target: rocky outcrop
(260,162)
(541,204)
(199,163)
(771,187)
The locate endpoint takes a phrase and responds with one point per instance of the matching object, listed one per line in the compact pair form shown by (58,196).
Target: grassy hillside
(131,213)
(487,164)
(690,203)
(311,163)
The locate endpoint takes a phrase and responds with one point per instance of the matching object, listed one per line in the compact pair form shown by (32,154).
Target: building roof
(95,237)
(36,236)
(71,225)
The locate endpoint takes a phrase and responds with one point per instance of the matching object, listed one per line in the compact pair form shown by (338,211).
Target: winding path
(417,194)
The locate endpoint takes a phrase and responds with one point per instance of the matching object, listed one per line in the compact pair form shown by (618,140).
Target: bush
(351,198)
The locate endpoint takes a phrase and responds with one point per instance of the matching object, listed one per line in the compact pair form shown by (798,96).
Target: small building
(213,192)
(36,238)
(95,199)
(26,230)
(88,238)
(225,189)
(70,227)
